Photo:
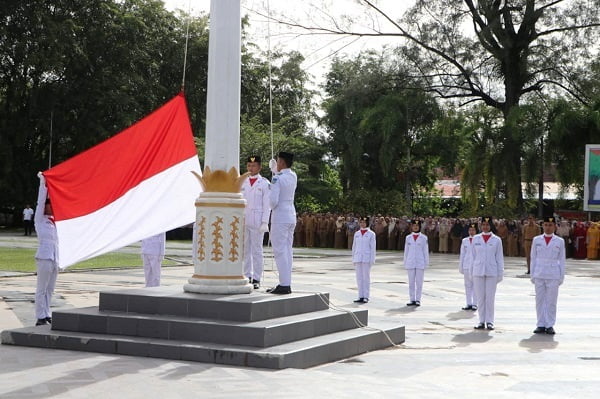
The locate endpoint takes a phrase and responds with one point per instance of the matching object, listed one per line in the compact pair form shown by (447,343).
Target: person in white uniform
(153,253)
(363,257)
(465,266)
(547,274)
(488,271)
(258,209)
(28,220)
(416,259)
(283,219)
(46,257)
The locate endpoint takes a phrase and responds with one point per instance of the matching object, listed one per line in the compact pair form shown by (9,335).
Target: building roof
(552,190)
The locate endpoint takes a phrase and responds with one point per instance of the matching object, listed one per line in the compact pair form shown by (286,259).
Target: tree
(383,128)
(494,51)
(91,68)
(292,114)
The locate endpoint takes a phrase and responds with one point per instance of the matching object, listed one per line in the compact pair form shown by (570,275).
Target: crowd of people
(330,230)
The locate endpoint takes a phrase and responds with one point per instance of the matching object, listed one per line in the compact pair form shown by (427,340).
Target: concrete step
(174,301)
(262,333)
(298,354)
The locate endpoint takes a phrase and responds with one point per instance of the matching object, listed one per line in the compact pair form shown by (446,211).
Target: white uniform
(28,220)
(488,271)
(547,273)
(416,259)
(465,266)
(283,222)
(363,257)
(258,209)
(46,257)
(153,253)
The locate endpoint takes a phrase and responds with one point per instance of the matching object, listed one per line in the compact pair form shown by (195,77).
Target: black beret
(549,219)
(254,158)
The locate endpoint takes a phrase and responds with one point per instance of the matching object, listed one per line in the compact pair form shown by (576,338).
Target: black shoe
(473,307)
(417,303)
(49,320)
(479,326)
(490,326)
(280,290)
(468,307)
(41,322)
(550,330)
(412,303)
(360,300)
(540,330)
(255,284)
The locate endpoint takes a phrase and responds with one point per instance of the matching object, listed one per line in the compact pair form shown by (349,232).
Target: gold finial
(221,181)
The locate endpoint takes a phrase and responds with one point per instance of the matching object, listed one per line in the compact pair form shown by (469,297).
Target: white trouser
(546,297)
(282,238)
(363,279)
(152,269)
(47,272)
(253,253)
(415,283)
(485,292)
(469,290)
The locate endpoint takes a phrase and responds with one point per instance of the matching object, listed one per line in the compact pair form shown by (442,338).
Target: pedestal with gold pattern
(219,236)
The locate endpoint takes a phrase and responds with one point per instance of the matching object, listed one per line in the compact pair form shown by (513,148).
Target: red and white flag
(136,184)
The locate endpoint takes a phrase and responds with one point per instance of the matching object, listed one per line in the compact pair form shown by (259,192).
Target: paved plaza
(442,356)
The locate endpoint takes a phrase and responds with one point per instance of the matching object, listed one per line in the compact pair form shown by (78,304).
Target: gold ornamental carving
(201,237)
(217,251)
(221,181)
(233,241)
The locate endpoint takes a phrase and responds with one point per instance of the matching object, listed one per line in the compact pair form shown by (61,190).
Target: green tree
(492,51)
(91,68)
(384,129)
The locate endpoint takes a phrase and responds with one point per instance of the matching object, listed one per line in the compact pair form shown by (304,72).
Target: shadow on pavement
(473,337)
(539,342)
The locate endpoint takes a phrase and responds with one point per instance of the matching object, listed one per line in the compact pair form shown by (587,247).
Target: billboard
(591,188)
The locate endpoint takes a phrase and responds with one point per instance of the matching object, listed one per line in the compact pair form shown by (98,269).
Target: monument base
(221,286)
(257,330)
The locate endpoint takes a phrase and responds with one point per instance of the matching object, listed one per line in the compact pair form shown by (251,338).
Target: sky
(318,50)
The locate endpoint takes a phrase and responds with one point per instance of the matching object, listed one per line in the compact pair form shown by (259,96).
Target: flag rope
(185,50)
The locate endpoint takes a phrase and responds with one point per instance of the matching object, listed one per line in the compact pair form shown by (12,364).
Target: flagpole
(50,149)
(219,228)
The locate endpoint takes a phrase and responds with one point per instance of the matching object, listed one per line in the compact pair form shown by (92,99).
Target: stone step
(299,354)
(262,333)
(174,301)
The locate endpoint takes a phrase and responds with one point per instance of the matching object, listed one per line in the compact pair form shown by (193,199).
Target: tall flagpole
(50,147)
(218,231)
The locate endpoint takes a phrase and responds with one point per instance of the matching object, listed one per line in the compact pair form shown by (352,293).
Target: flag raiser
(136,184)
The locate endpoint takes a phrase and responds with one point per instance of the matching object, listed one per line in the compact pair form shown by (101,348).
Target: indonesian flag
(134,185)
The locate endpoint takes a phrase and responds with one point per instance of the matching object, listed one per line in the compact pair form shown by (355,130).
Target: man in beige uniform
(530,230)
(310,227)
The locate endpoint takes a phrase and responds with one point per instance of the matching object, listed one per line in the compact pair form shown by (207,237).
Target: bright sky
(317,49)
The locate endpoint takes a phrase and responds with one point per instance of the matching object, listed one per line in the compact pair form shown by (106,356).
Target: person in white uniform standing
(547,273)
(283,219)
(363,257)
(28,219)
(258,209)
(46,257)
(416,259)
(153,253)
(488,271)
(465,267)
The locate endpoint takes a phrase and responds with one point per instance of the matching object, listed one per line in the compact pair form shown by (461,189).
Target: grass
(22,260)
